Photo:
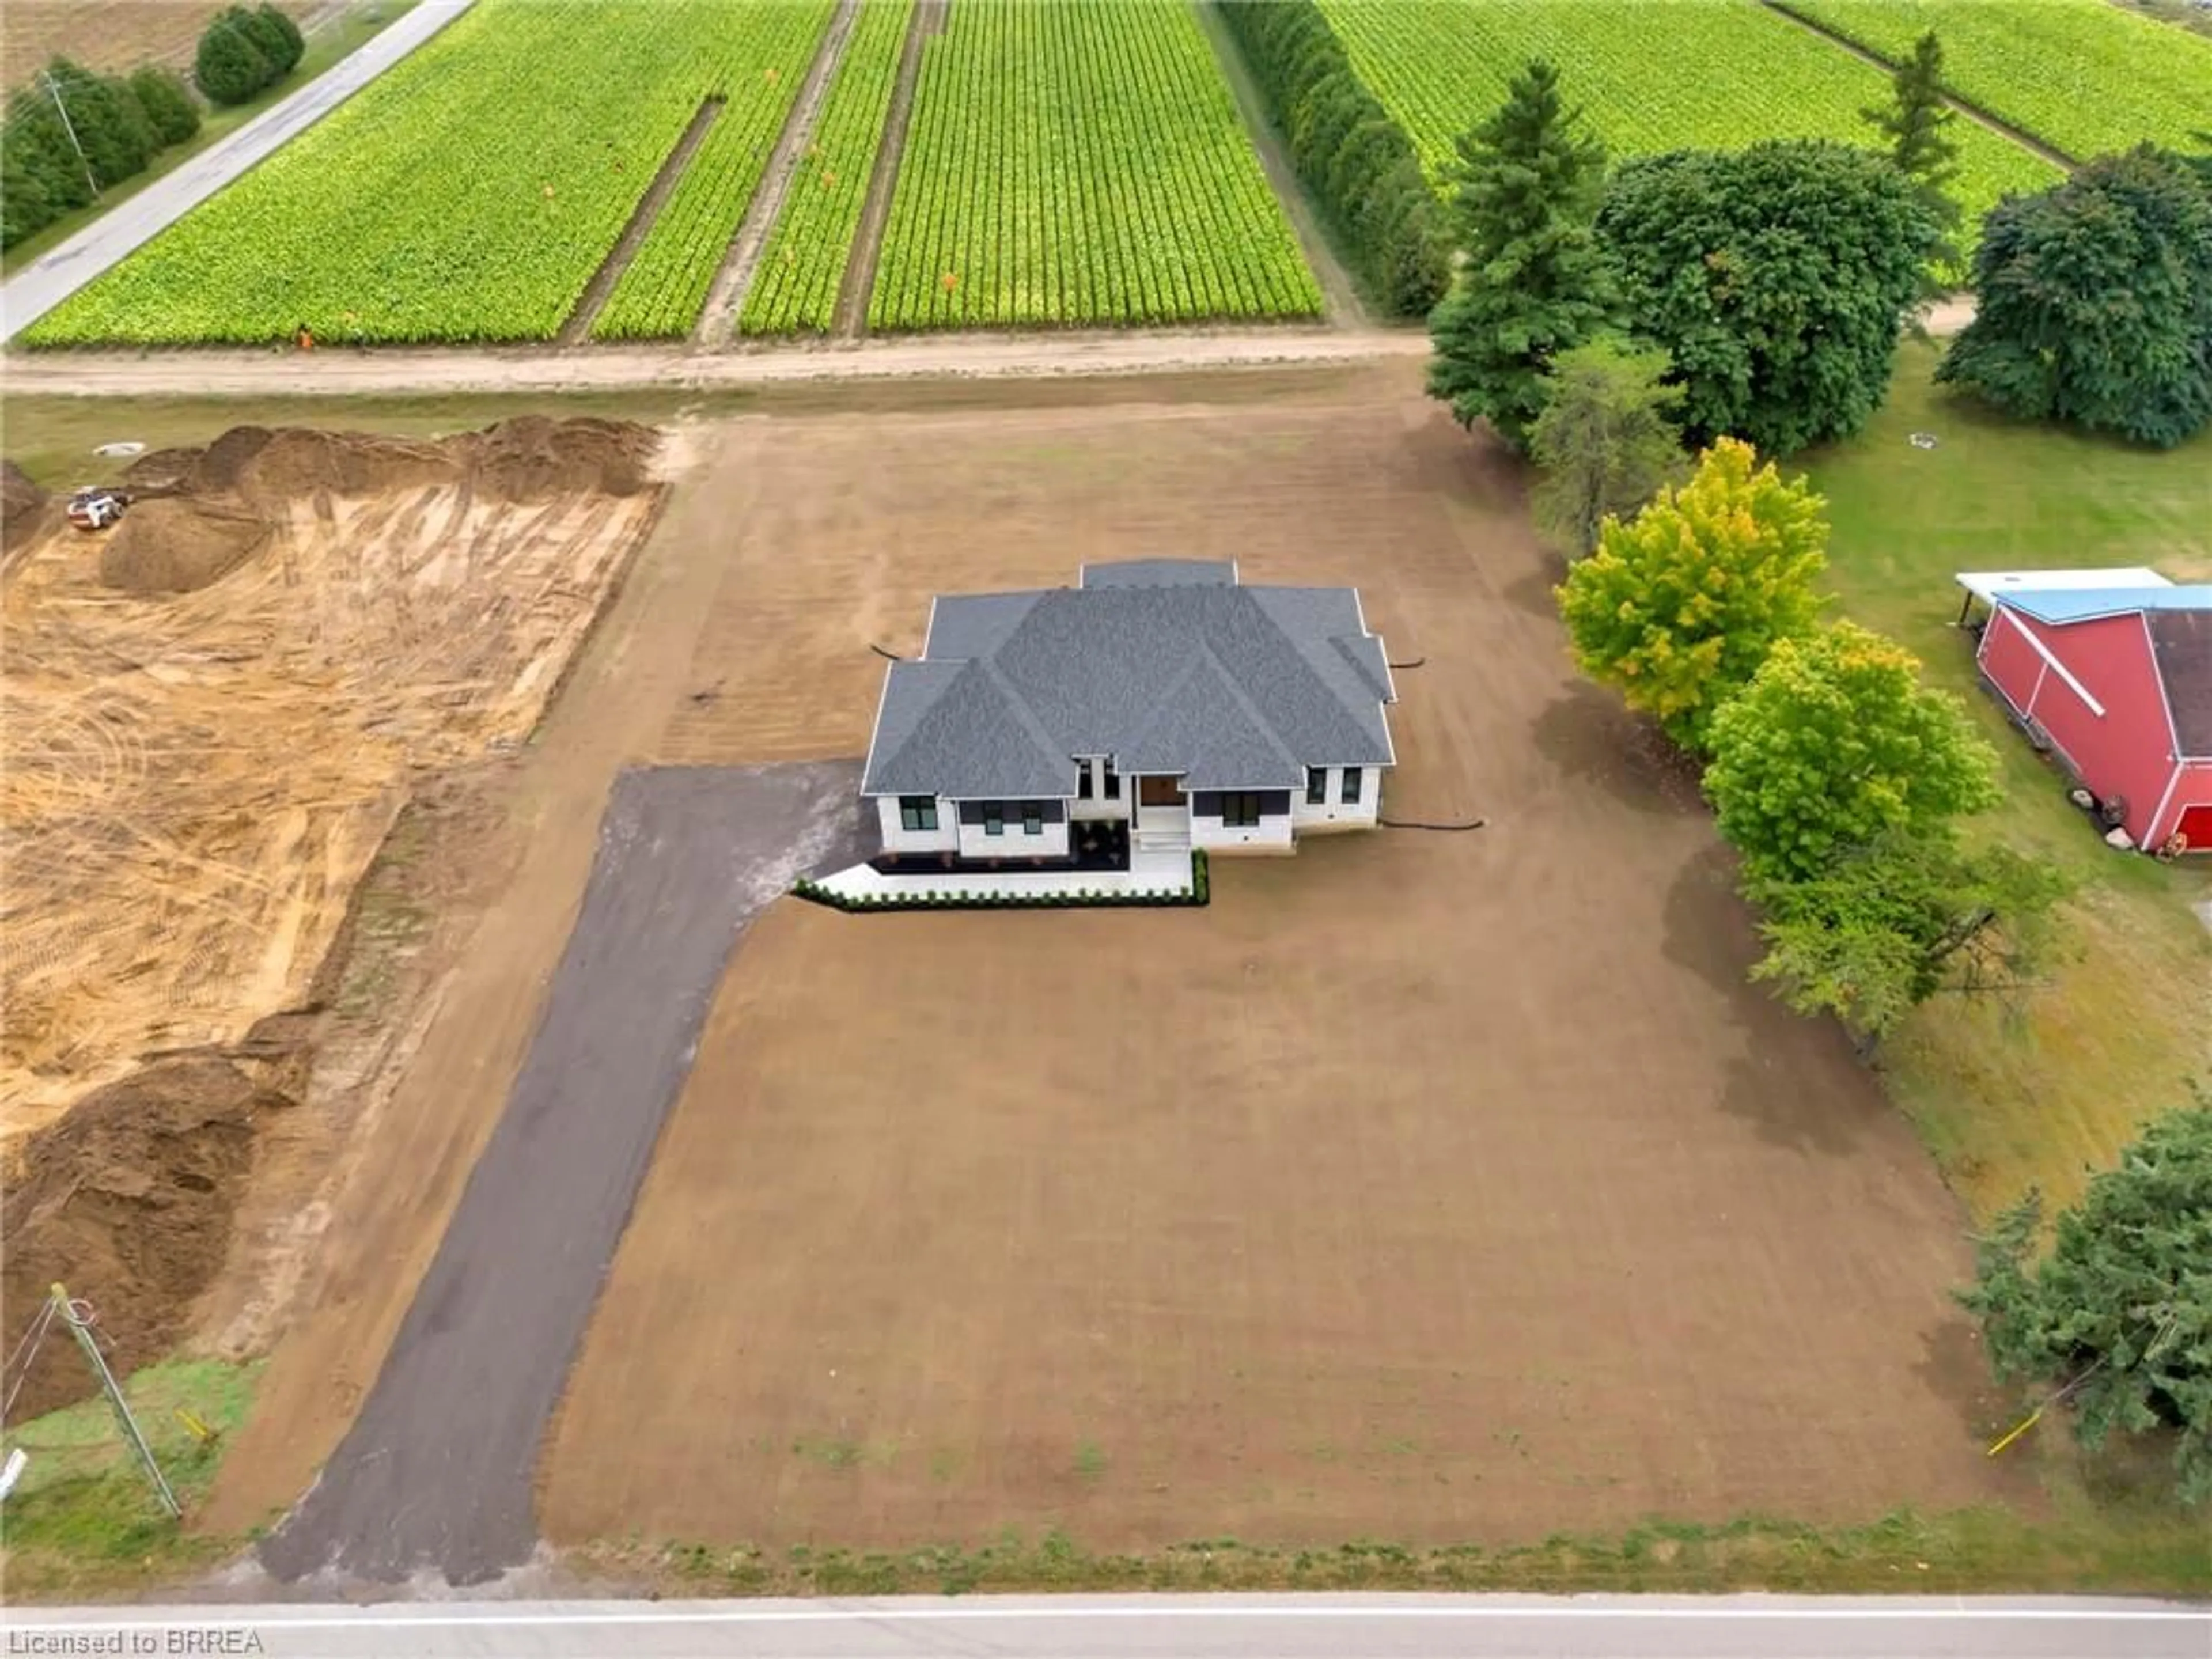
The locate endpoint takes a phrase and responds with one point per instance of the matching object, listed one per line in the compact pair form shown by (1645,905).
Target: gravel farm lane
(1183,1627)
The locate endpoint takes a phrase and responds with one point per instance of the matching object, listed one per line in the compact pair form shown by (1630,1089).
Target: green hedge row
(1087,899)
(1355,161)
(121,122)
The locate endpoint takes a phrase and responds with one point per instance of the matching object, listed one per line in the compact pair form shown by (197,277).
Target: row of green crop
(801,274)
(767,51)
(1689,74)
(2083,75)
(471,192)
(1080,164)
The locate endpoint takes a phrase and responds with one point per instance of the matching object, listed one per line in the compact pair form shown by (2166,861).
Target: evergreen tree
(281,43)
(168,102)
(1531,282)
(2117,1317)
(231,67)
(113,131)
(1605,442)
(1916,124)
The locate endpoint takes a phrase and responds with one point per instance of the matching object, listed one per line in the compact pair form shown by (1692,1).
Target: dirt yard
(1427,1186)
(216,713)
(104,35)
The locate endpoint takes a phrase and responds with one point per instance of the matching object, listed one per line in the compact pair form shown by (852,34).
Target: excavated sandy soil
(214,714)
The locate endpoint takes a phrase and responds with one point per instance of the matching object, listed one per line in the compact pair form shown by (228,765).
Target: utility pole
(81,1327)
(53,91)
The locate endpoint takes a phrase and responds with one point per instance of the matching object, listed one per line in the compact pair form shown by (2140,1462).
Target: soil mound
(531,457)
(298,461)
(161,472)
(222,461)
(179,543)
(128,1198)
(22,504)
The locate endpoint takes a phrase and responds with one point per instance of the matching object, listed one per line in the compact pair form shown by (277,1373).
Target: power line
(32,1338)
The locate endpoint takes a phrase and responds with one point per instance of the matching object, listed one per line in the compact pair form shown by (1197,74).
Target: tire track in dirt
(578,328)
(850,320)
(437,1471)
(736,277)
(1974,113)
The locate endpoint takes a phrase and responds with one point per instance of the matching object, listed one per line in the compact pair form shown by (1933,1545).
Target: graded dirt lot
(215,712)
(103,34)
(1427,1186)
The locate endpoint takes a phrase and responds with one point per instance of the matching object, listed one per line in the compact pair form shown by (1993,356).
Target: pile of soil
(531,457)
(201,513)
(127,1200)
(22,504)
(179,543)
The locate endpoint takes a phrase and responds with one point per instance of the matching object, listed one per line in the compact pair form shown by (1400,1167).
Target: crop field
(1081,164)
(2084,77)
(1713,74)
(473,191)
(796,286)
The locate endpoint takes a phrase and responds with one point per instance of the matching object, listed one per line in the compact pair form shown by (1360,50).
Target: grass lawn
(84,1519)
(2054,1089)
(324,47)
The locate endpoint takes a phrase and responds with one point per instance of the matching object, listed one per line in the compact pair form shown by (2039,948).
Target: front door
(1158,791)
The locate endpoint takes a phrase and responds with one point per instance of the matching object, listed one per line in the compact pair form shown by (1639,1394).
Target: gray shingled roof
(1161,573)
(1167,667)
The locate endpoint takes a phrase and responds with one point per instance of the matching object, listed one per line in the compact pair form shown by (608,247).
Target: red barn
(2117,681)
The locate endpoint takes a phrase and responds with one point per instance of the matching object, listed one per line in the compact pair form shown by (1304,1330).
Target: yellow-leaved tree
(1679,606)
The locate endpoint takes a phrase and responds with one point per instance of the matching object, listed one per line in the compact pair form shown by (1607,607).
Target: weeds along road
(46,282)
(1186,1626)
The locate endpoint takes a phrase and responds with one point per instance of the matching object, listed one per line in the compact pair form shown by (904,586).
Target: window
(1110,780)
(1032,818)
(1240,811)
(995,817)
(1351,777)
(1083,779)
(1316,785)
(917,812)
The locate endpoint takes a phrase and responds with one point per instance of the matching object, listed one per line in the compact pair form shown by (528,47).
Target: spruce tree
(1917,125)
(1530,283)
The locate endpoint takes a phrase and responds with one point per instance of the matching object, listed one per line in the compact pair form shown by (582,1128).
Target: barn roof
(2060,606)
(2182,643)
(1992,585)
(1167,666)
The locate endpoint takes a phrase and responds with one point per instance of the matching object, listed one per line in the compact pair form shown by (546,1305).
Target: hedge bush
(1085,898)
(1357,161)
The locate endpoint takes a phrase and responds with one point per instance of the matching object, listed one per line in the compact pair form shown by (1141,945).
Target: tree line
(71,133)
(1599,321)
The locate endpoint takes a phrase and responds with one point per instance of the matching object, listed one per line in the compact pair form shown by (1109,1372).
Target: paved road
(1185,1627)
(46,282)
(436,1472)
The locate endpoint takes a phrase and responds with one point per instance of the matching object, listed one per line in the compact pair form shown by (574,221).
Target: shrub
(231,65)
(281,43)
(168,102)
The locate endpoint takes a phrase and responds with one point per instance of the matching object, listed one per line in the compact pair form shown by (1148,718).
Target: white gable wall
(945,838)
(1333,813)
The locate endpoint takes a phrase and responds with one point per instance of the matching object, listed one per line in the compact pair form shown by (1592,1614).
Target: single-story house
(2116,680)
(1161,703)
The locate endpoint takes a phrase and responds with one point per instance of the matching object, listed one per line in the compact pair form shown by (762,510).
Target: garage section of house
(2110,672)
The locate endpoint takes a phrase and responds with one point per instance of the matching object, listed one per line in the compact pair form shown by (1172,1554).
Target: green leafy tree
(1886,925)
(168,102)
(1835,742)
(1778,278)
(231,66)
(1678,607)
(1531,284)
(1606,441)
(2117,1317)
(2094,301)
(1916,124)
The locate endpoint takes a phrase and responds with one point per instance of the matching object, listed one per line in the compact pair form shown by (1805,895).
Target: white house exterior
(1162,701)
